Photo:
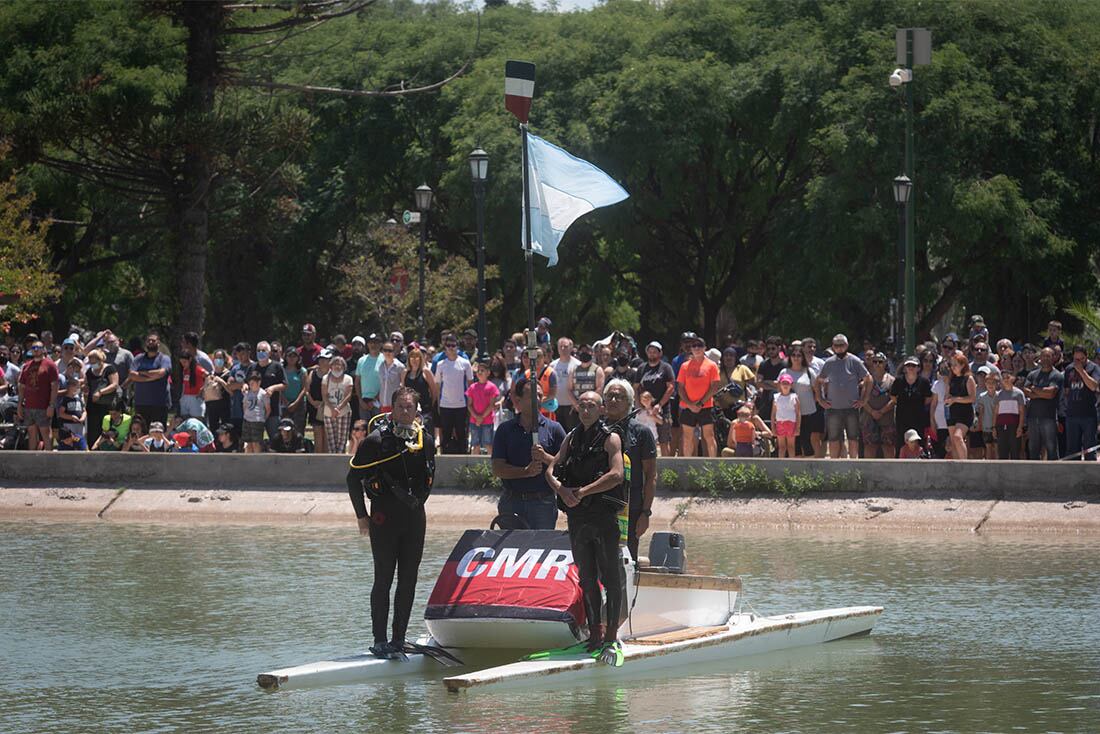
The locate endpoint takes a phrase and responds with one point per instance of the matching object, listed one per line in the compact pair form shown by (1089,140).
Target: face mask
(261,355)
(585,357)
(97,368)
(219,362)
(337,373)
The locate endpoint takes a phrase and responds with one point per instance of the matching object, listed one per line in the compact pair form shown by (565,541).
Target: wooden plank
(684,581)
(688,633)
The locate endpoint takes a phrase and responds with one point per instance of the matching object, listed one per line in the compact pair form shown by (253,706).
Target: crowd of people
(958,398)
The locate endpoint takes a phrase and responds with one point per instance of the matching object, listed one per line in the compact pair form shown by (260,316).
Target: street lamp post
(423,196)
(903,187)
(479,172)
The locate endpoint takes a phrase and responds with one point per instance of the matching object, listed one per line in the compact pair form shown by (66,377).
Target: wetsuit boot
(595,637)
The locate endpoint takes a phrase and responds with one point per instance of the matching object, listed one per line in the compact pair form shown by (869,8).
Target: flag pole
(532,385)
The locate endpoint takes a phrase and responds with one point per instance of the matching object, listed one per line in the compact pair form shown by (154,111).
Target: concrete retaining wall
(290,472)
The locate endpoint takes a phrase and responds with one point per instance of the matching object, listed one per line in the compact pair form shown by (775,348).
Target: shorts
(674,412)
(664,431)
(976,440)
(813,422)
(705,417)
(989,438)
(252,432)
(481,436)
(881,432)
(785,429)
(741,450)
(840,422)
(35,417)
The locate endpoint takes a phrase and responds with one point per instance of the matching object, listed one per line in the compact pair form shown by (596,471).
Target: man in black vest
(587,475)
(394,466)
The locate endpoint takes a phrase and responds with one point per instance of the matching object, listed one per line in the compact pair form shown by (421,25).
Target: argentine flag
(563,189)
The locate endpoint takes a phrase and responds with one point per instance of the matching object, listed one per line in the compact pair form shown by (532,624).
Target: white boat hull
(360,668)
(747,635)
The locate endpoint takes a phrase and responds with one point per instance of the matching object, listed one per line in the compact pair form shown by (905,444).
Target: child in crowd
(135,440)
(108,441)
(786,416)
(69,441)
(257,406)
(1009,418)
(71,407)
(156,442)
(987,410)
(118,420)
(649,416)
(743,433)
(482,401)
(912,448)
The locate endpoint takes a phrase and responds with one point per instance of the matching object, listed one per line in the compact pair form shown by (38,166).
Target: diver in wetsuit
(587,476)
(394,467)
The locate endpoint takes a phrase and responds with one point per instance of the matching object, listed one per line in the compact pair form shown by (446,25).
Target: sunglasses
(878,361)
(450,346)
(696,346)
(37,348)
(981,351)
(388,351)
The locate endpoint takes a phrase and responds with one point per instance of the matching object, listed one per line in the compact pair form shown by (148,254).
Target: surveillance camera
(900,76)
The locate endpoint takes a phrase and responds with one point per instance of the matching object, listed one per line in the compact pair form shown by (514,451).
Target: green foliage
(478,476)
(727,478)
(26,282)
(670,479)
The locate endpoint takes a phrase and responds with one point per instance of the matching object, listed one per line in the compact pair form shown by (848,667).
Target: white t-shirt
(454,375)
(804,388)
(337,391)
(785,409)
(940,391)
(255,404)
(562,370)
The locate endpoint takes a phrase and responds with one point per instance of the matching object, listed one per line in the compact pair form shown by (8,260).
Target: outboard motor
(666,552)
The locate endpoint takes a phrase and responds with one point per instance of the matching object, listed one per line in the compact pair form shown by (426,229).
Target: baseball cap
(397,336)
(326,354)
(310,328)
(655,344)
(911,435)
(375,337)
(983,370)
(286,423)
(358,340)
(470,332)
(156,426)
(977,319)
(688,336)
(787,379)
(545,322)
(912,361)
(69,342)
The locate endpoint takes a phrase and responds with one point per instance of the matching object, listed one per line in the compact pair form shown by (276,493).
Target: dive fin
(559,652)
(437,654)
(611,654)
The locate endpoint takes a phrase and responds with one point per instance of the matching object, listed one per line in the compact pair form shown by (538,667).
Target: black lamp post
(479,172)
(902,188)
(423,195)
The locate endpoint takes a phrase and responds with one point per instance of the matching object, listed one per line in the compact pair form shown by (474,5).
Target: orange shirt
(695,379)
(744,431)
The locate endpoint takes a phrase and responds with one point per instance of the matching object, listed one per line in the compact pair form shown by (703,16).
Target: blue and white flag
(563,189)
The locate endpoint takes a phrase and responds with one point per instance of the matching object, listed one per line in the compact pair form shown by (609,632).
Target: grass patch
(478,475)
(724,479)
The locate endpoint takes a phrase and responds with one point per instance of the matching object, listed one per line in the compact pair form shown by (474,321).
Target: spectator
(812,422)
(1007,359)
(482,399)
(767,374)
(108,441)
(521,468)
(746,429)
(602,355)
(911,394)
(120,357)
(877,416)
(978,331)
(838,388)
(911,449)
(194,380)
(453,373)
(961,394)
(273,381)
(1010,417)
(310,350)
(202,359)
(359,431)
(71,411)
(981,358)
(337,391)
(733,371)
(10,371)
(985,420)
(369,382)
(341,347)
(156,442)
(542,331)
(563,368)
(498,375)
(786,416)
(697,382)
(650,415)
(38,388)
(225,439)
(656,379)
(391,375)
(928,363)
(294,396)
(420,378)
(1054,336)
(150,378)
(69,441)
(754,355)
(938,409)
(469,346)
(135,439)
(400,351)
(1082,380)
(315,406)
(201,436)
(238,375)
(510,352)
(287,440)
(257,407)
(948,346)
(215,390)
(1042,389)
(102,387)
(809,350)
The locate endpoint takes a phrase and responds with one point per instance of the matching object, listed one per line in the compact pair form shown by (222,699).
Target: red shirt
(695,379)
(200,380)
(36,381)
(309,353)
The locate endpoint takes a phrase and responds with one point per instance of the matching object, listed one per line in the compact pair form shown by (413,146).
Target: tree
(26,283)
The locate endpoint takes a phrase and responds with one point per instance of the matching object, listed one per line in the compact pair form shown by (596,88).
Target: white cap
(655,344)
(358,340)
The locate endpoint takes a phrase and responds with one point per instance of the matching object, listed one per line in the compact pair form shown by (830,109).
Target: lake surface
(135,628)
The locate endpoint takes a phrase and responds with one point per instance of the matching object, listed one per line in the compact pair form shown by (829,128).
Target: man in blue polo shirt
(150,374)
(521,468)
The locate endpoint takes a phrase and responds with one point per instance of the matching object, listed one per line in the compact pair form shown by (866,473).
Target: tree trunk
(205,22)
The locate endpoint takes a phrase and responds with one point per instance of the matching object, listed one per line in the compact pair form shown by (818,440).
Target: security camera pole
(914,48)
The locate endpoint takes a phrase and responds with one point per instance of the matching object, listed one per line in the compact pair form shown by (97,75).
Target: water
(130,628)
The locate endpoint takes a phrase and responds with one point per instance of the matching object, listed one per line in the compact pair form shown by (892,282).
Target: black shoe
(383,650)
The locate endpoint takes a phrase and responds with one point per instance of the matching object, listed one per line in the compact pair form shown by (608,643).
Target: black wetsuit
(397,489)
(594,528)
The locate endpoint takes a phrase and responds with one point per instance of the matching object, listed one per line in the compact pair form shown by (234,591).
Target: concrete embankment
(916,495)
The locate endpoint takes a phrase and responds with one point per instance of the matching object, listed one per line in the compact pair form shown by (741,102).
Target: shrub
(670,479)
(478,475)
(725,479)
